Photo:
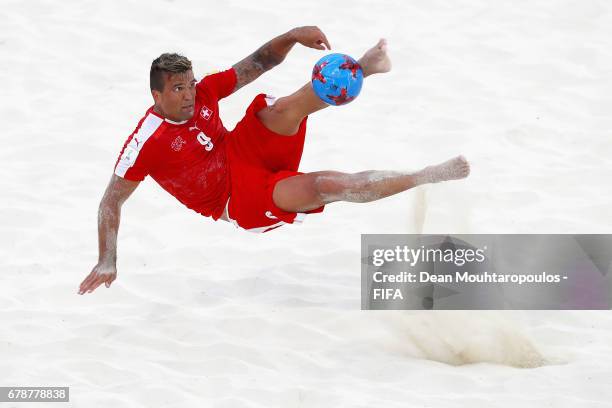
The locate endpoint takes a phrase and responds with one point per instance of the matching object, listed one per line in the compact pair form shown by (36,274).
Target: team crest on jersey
(206,113)
(178,143)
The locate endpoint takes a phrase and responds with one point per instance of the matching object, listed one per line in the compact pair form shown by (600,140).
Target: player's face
(177,100)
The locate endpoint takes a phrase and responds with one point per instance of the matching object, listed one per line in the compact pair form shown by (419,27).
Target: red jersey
(187,159)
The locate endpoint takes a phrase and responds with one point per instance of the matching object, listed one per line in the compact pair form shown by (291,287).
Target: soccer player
(248,176)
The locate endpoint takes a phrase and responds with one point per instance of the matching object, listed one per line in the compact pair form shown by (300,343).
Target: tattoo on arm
(256,64)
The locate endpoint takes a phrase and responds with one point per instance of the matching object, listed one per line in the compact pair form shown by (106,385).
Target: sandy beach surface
(204,315)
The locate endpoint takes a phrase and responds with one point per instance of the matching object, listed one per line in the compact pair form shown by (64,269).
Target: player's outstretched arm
(274,52)
(109,214)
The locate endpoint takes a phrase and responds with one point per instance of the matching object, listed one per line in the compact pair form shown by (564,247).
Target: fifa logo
(203,139)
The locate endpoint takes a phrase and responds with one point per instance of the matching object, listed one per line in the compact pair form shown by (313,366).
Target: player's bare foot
(376,60)
(453,169)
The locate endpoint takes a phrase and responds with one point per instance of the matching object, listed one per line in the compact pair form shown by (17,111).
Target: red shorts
(258,158)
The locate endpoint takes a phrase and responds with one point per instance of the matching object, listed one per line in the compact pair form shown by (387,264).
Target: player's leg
(312,190)
(285,116)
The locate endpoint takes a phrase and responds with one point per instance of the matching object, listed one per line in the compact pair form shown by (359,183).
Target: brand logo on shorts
(271,216)
(206,113)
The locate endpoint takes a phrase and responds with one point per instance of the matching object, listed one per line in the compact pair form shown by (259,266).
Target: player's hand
(311,36)
(103,272)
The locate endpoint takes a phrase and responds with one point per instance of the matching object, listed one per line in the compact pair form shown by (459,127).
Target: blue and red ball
(337,79)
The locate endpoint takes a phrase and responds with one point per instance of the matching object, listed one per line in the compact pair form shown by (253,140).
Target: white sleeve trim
(133,148)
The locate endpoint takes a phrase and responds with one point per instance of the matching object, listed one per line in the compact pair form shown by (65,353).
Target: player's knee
(336,186)
(333,186)
(282,107)
(281,118)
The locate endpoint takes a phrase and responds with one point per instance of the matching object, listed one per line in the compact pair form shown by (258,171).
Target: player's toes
(464,166)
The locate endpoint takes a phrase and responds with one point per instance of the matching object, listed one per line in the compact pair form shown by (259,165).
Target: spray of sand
(460,337)
(456,337)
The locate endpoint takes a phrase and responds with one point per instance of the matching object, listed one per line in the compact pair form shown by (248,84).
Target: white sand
(203,315)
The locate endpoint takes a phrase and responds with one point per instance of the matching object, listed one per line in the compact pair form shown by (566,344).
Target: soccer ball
(337,79)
